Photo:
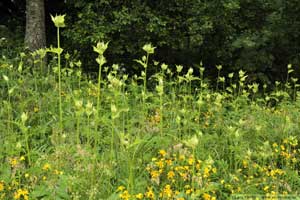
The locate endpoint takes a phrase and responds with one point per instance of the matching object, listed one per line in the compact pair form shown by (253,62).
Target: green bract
(100,48)
(59,20)
(149,48)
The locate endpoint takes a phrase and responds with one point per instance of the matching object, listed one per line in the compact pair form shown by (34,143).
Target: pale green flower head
(149,48)
(113,108)
(190,71)
(78,104)
(219,67)
(115,67)
(202,69)
(192,142)
(59,20)
(101,60)
(222,79)
(41,52)
(100,48)
(164,66)
(179,68)
(5,78)
(294,80)
(24,117)
(22,54)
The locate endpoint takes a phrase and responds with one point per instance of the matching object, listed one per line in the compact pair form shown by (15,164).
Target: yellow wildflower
(273,193)
(266,188)
(206,172)
(245,163)
(184,176)
(154,174)
(57,172)
(21,193)
(191,160)
(13,162)
(181,157)
(169,162)
(120,188)
(160,164)
(206,196)
(235,178)
(150,194)
(125,195)
(188,191)
(170,174)
(46,166)
(139,196)
(214,170)
(167,192)
(162,152)
(1,186)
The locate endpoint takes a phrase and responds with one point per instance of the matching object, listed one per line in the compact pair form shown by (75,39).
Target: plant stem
(78,129)
(112,139)
(59,83)
(27,147)
(145,78)
(99,93)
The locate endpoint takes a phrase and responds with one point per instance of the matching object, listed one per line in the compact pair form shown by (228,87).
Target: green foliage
(66,136)
(257,36)
(253,35)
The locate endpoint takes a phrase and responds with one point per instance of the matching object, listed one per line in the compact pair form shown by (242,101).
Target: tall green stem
(112,144)
(145,78)
(99,91)
(9,115)
(59,82)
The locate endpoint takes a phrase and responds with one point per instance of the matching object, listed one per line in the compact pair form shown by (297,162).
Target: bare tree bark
(35,34)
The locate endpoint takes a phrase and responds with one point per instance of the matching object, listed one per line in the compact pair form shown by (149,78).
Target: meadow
(66,134)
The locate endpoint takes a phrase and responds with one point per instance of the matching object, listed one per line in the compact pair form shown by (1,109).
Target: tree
(35,34)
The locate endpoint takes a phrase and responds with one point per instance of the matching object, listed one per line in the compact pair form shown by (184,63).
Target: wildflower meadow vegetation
(172,134)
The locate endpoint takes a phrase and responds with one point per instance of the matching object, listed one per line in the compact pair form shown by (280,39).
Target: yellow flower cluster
(13,162)
(1,186)
(124,194)
(21,193)
(177,175)
(264,175)
(21,178)
(287,151)
(155,118)
(46,167)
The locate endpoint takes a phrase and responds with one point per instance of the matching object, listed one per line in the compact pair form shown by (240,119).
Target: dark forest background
(259,36)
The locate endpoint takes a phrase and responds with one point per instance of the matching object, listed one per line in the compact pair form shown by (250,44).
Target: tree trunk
(35,35)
